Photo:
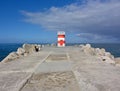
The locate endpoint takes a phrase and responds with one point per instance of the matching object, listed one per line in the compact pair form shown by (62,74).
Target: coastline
(113,48)
(90,48)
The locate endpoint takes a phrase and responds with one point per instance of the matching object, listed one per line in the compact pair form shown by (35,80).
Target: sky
(38,21)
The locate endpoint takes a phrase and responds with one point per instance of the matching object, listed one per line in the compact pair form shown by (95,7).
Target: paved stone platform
(59,69)
(57,57)
(53,81)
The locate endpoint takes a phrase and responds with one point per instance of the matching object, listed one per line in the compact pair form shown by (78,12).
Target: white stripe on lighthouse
(61,39)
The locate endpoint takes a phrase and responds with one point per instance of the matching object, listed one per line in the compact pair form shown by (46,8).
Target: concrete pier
(59,69)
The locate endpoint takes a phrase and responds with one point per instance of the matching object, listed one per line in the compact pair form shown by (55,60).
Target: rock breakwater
(102,54)
(25,50)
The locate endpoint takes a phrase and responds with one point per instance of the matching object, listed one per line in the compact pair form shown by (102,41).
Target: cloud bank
(95,19)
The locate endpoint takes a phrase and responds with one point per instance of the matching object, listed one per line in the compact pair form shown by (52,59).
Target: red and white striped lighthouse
(61,39)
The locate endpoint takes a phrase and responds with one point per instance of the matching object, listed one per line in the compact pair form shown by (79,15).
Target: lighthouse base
(63,45)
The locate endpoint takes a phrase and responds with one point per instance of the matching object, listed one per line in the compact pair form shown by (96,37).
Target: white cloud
(93,17)
(89,37)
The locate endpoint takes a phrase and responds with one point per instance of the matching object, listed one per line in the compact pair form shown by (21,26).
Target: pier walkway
(59,69)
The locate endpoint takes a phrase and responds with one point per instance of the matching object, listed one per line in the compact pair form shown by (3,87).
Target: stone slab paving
(23,64)
(13,81)
(54,74)
(75,71)
(54,67)
(14,74)
(95,75)
(53,81)
(57,57)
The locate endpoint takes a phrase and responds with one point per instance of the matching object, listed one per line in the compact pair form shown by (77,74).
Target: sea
(113,48)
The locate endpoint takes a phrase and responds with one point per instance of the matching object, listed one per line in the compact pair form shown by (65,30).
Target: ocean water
(114,49)
(5,49)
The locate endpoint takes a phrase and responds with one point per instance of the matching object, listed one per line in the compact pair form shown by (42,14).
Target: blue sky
(39,20)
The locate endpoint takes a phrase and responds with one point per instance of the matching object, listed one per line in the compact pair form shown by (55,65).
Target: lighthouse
(61,39)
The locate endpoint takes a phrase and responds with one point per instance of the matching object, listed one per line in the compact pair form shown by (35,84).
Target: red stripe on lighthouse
(61,36)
